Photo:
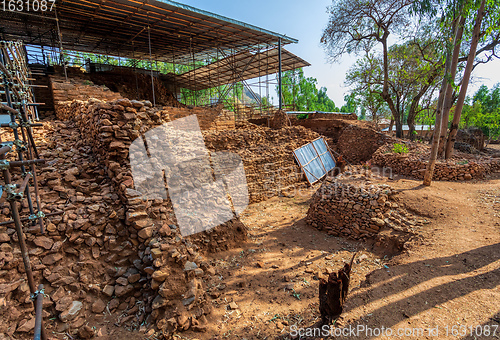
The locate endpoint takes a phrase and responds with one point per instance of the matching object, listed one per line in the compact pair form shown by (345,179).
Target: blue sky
(305,20)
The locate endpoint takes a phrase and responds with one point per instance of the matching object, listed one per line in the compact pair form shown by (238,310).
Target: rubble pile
(359,209)
(113,250)
(86,259)
(279,120)
(414,163)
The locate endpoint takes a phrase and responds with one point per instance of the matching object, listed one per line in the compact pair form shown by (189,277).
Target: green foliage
(400,148)
(484,111)
(301,94)
(350,104)
(413,70)
(303,116)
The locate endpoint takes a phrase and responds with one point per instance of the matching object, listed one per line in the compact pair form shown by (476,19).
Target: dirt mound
(136,85)
(279,120)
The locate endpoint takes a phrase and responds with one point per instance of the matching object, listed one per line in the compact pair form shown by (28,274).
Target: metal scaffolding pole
(151,67)
(279,75)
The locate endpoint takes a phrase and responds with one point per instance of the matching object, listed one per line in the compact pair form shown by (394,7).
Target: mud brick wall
(415,162)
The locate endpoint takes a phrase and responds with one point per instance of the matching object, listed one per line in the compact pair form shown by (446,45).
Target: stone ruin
(114,251)
(414,163)
(359,209)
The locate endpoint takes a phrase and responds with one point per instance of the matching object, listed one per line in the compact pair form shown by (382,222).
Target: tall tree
(357,25)
(413,68)
(429,172)
(448,101)
(465,81)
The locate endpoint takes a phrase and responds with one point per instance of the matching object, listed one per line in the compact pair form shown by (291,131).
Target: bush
(303,116)
(400,148)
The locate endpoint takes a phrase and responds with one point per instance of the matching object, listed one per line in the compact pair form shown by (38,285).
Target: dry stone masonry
(414,163)
(355,207)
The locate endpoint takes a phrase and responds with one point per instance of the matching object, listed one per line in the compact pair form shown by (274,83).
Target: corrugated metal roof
(121,27)
(235,68)
(407,128)
(315,159)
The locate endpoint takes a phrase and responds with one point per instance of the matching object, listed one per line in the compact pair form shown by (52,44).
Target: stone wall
(355,140)
(270,167)
(111,248)
(77,88)
(350,210)
(473,137)
(330,128)
(266,153)
(414,164)
(357,209)
(330,116)
(172,265)
(208,118)
(358,142)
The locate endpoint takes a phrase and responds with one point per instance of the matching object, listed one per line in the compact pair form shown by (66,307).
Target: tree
(448,100)
(429,171)
(483,112)
(357,25)
(465,81)
(301,94)
(413,68)
(350,105)
(376,106)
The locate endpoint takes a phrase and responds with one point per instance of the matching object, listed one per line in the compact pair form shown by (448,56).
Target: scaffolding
(210,59)
(19,156)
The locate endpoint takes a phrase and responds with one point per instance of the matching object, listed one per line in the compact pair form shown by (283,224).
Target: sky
(305,21)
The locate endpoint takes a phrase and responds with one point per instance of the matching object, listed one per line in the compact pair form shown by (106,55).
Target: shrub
(303,116)
(400,148)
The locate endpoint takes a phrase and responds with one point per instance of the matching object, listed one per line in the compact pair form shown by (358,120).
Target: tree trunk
(429,172)
(448,102)
(385,90)
(333,293)
(399,128)
(465,81)
(411,130)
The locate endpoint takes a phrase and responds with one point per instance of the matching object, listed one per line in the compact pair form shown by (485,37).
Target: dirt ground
(446,286)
